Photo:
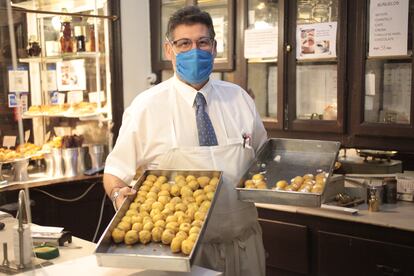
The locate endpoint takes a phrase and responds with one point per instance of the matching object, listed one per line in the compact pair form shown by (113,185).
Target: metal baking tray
(280,159)
(153,256)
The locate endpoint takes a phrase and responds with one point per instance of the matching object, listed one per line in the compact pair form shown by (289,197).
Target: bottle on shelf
(80,39)
(91,39)
(66,40)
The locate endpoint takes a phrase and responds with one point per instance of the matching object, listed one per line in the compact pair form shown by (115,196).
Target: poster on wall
(71,75)
(316,40)
(260,43)
(388,28)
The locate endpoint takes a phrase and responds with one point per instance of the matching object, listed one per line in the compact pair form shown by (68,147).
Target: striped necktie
(206,134)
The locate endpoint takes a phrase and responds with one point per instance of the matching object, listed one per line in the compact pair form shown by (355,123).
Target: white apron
(233,239)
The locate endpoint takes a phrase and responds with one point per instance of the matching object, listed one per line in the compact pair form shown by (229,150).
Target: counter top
(399,216)
(40,179)
(77,258)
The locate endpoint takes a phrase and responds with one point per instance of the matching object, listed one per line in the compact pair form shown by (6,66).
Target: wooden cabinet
(349,255)
(283,252)
(299,244)
(327,96)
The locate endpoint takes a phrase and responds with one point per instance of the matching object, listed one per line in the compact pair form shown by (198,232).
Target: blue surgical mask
(194,66)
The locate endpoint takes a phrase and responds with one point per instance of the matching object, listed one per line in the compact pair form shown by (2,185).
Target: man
(191,122)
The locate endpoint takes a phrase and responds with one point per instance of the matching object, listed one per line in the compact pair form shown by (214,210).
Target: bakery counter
(41,179)
(399,216)
(76,258)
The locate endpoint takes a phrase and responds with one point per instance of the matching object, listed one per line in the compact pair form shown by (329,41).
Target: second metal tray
(283,159)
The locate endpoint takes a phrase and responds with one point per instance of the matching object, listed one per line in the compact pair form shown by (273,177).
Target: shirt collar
(189,93)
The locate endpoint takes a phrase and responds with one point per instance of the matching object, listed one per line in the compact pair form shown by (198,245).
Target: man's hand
(124,192)
(116,189)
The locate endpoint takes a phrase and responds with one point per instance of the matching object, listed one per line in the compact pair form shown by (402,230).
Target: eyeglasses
(185,44)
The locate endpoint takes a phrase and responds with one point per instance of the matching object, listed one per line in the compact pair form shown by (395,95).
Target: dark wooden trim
(117,87)
(282,58)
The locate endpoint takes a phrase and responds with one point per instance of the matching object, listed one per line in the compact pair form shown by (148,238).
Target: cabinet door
(382,71)
(286,245)
(348,255)
(263,39)
(316,65)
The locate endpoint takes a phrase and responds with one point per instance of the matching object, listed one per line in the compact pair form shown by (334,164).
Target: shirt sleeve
(122,160)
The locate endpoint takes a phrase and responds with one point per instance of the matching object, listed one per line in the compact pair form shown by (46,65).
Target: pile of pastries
(24,150)
(66,109)
(307,183)
(47,109)
(167,211)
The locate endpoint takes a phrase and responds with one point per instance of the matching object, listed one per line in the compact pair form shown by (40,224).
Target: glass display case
(385,71)
(318,56)
(60,80)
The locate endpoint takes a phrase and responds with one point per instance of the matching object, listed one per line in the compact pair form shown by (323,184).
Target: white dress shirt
(146,130)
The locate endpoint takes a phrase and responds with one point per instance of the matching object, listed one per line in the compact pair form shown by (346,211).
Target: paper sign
(260,43)
(369,103)
(51,80)
(26,135)
(18,80)
(93,97)
(218,23)
(9,141)
(75,97)
(370,84)
(61,98)
(71,75)
(12,100)
(316,40)
(24,102)
(388,27)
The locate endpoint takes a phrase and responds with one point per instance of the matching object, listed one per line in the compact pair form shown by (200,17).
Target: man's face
(193,32)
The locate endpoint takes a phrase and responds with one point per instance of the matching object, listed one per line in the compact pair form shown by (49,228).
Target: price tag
(75,97)
(93,97)
(9,141)
(26,135)
(47,136)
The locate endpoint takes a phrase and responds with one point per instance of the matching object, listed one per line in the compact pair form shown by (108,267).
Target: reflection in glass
(218,11)
(262,86)
(316,11)
(316,92)
(263,14)
(168,7)
(388,92)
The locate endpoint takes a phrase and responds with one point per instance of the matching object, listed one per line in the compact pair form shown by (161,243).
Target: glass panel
(316,78)
(388,92)
(262,71)
(168,7)
(316,87)
(8,123)
(219,13)
(388,84)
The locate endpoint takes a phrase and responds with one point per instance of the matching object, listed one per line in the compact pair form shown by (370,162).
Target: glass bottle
(80,39)
(305,11)
(66,40)
(91,43)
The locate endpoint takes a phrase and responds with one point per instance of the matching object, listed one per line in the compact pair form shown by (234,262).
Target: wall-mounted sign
(19,80)
(388,28)
(260,43)
(316,40)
